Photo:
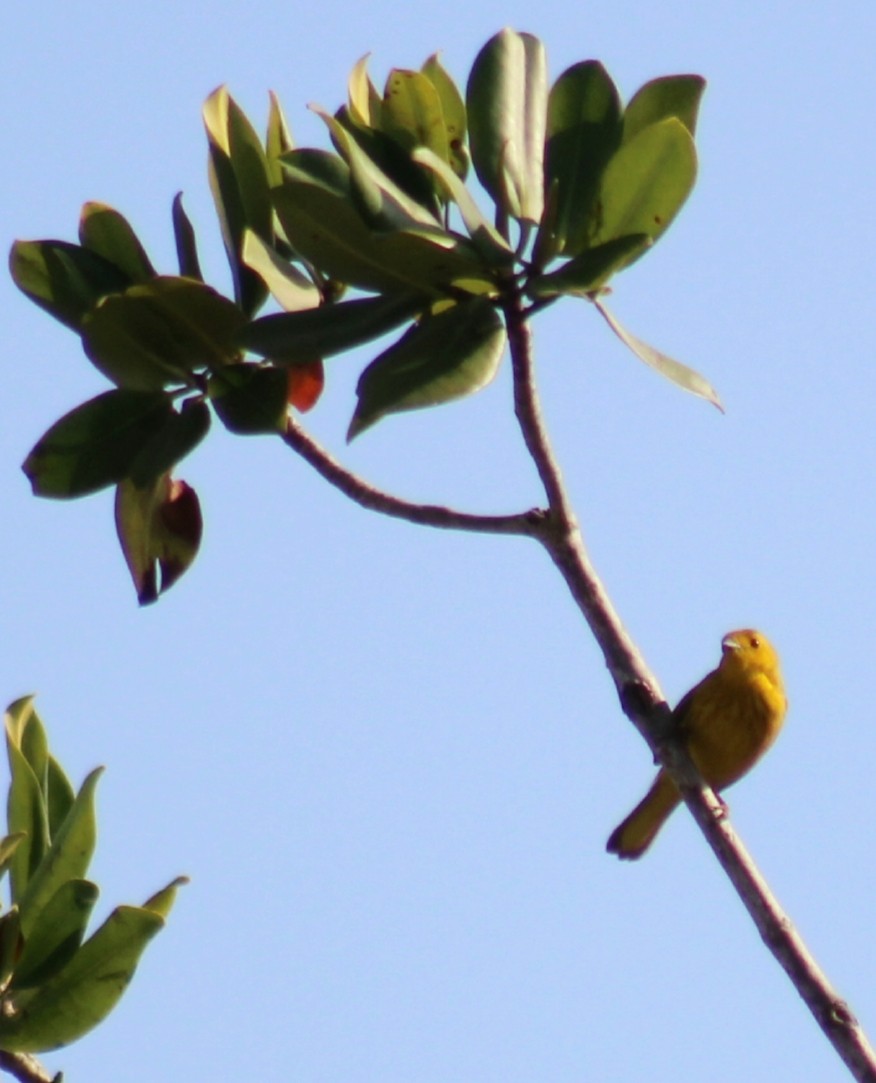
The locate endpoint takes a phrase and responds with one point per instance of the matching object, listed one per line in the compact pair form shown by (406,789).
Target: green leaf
(251,399)
(584,131)
(670,96)
(83,993)
(8,845)
(679,374)
(395,163)
(20,715)
(186,245)
(300,337)
(413,114)
(290,288)
(60,795)
(646,182)
(507,106)
(180,434)
(95,444)
(453,108)
(162,901)
(241,189)
(64,279)
(66,859)
(591,270)
(365,104)
(10,944)
(278,141)
(489,242)
(327,230)
(383,204)
(159,333)
(33,742)
(320,167)
(109,234)
(443,357)
(56,933)
(159,529)
(26,812)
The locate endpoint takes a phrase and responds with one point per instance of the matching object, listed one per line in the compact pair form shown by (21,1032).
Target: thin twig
(368,496)
(25,1068)
(643,702)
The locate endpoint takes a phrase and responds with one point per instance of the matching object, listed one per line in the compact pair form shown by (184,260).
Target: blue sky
(389,758)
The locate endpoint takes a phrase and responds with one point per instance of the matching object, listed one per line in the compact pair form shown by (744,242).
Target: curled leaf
(159,529)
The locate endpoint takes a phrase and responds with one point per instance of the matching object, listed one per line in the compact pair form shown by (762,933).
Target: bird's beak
(728,643)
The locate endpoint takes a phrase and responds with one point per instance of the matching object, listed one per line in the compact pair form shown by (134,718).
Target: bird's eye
(755,642)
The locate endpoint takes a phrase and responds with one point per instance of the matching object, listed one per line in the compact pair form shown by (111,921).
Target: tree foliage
(380,234)
(56,984)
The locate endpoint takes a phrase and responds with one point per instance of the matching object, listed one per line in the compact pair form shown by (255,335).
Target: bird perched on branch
(726,722)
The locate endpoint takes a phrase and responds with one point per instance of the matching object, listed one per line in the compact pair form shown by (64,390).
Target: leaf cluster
(55,985)
(381,234)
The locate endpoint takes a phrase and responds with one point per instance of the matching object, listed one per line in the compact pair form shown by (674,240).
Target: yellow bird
(727,722)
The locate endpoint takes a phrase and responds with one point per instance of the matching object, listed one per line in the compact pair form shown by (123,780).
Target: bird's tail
(633,837)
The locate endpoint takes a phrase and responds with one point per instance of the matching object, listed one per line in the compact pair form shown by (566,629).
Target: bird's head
(749,651)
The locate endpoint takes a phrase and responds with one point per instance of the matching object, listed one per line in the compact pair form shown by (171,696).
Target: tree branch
(558,531)
(25,1068)
(368,496)
(643,702)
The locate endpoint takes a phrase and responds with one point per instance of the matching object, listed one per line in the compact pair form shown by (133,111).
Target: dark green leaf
(319,167)
(670,96)
(506,99)
(64,279)
(186,245)
(250,399)
(679,374)
(584,131)
(56,933)
(159,333)
(394,161)
(299,337)
(591,270)
(180,434)
(328,231)
(441,358)
(83,993)
(383,204)
(104,231)
(95,444)
(159,529)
